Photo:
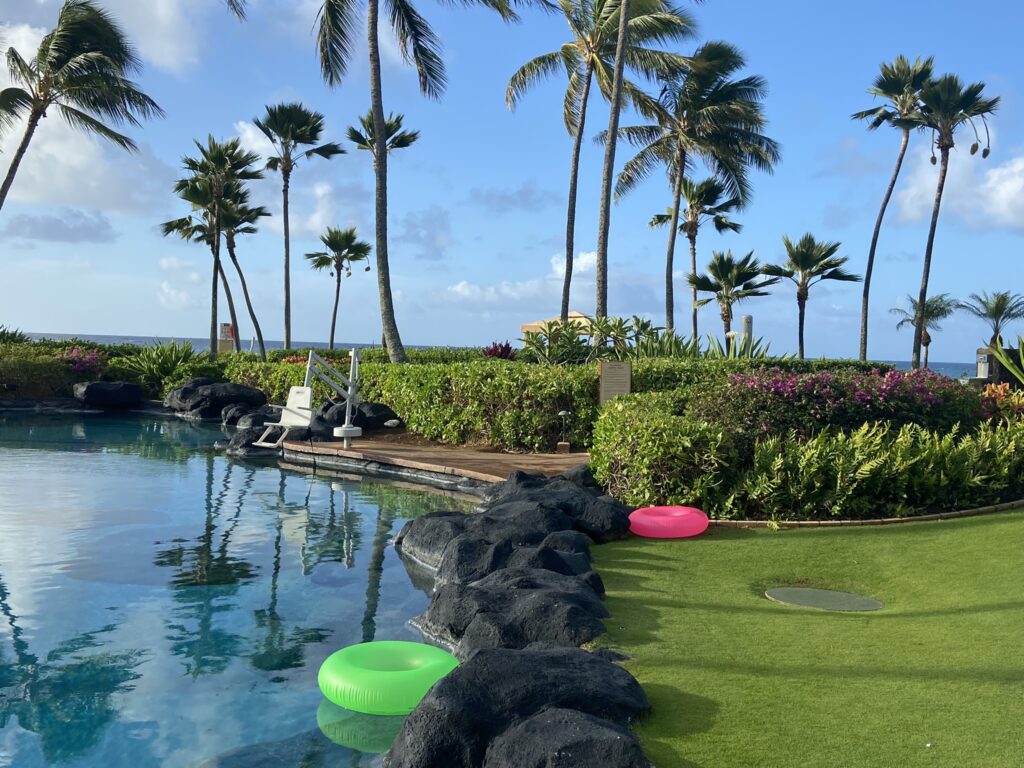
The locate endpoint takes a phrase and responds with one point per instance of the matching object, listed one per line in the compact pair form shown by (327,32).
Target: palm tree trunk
(248,301)
(215,249)
(604,217)
(673,226)
(924,347)
(393,342)
(381,536)
(693,289)
(19,154)
(285,185)
(874,245)
(574,173)
(727,325)
(801,303)
(231,305)
(922,297)
(334,314)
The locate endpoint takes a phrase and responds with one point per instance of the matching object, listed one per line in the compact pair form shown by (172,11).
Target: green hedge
(380,355)
(28,371)
(646,452)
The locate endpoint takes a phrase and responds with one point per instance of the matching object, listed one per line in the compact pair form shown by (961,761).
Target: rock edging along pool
(385,677)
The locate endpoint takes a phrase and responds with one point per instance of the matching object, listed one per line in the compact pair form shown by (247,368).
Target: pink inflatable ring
(668,522)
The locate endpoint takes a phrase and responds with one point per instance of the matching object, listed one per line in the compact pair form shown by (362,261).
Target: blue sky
(478,204)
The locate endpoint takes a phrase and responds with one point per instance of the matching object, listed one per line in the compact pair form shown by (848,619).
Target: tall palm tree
(213,176)
(704,113)
(899,84)
(199,229)
(809,262)
(343,250)
(420,47)
(82,67)
(947,105)
(589,54)
(997,309)
(240,218)
(604,213)
(927,317)
(291,128)
(394,136)
(730,280)
(703,203)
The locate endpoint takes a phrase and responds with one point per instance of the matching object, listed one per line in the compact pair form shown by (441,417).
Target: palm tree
(927,317)
(997,309)
(239,218)
(604,214)
(213,176)
(590,52)
(947,106)
(343,250)
(421,47)
(808,263)
(703,203)
(703,113)
(900,84)
(82,67)
(290,128)
(730,280)
(394,137)
(200,230)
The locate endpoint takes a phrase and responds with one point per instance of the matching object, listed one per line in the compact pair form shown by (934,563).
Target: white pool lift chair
(296,414)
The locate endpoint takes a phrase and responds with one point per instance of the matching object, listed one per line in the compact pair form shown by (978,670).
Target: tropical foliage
(997,309)
(731,280)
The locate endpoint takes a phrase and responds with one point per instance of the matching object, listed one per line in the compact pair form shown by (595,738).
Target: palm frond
(336,29)
(419,45)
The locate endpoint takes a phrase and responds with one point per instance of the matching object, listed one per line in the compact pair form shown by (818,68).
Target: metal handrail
(318,368)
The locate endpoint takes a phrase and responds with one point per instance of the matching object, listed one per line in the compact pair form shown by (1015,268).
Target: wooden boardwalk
(488,466)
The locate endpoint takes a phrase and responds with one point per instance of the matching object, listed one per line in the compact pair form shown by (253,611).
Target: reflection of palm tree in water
(65,699)
(279,649)
(381,537)
(206,572)
(334,540)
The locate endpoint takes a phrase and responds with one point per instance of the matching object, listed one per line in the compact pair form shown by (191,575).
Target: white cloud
(538,291)
(253,139)
(979,194)
(173,263)
(169,34)
(174,298)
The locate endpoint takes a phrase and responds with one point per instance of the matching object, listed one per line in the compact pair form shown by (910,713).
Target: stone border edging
(956,514)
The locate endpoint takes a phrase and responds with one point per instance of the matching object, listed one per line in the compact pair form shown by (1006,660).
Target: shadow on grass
(675,715)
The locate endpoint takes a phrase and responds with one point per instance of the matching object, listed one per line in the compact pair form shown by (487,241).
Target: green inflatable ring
(386,677)
(369,734)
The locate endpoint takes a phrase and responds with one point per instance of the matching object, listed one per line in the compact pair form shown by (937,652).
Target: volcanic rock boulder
(371,416)
(514,608)
(497,690)
(230,414)
(109,395)
(258,417)
(240,446)
(565,738)
(206,401)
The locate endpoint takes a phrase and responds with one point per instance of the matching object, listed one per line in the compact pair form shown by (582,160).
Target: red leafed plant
(501,350)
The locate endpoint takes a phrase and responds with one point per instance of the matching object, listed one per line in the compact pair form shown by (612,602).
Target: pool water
(161,605)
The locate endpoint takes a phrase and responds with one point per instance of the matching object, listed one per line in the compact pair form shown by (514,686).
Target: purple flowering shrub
(87,363)
(761,404)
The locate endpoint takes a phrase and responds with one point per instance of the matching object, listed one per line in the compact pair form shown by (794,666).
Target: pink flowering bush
(761,404)
(86,363)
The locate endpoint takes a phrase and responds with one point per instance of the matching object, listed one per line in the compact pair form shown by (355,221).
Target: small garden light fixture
(563,446)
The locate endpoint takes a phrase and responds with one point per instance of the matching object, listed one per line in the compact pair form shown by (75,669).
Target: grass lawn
(736,680)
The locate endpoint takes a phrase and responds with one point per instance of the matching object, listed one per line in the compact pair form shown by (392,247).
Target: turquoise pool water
(163,606)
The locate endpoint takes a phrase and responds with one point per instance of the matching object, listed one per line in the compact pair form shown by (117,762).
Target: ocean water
(162,606)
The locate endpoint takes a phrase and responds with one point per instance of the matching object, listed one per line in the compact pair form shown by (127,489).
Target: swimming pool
(163,606)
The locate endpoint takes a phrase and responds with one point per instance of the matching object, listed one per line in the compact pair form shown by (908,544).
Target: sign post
(616,379)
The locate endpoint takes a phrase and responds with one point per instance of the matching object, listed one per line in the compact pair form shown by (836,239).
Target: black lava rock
(109,395)
(207,401)
(371,416)
(230,414)
(240,446)
(496,690)
(565,738)
(513,608)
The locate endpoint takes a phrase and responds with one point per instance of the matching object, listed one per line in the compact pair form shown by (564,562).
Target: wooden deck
(488,466)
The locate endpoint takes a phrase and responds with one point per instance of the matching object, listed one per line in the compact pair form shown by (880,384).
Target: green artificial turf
(737,680)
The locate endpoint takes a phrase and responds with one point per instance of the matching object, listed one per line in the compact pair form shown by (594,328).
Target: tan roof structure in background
(537,325)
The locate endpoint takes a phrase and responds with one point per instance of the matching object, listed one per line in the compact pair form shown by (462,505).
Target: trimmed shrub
(643,452)
(27,371)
